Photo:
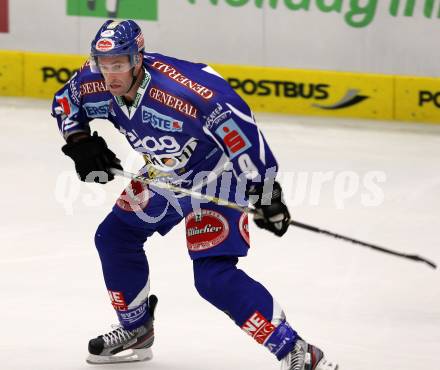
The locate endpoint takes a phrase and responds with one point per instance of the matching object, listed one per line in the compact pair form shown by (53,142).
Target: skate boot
(304,356)
(121,345)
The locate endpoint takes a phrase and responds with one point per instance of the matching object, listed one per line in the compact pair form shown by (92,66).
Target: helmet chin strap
(133,80)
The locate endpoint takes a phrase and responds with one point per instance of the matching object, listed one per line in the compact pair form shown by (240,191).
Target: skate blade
(129,355)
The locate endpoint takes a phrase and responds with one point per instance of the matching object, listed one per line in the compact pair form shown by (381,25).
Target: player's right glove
(93,159)
(273,214)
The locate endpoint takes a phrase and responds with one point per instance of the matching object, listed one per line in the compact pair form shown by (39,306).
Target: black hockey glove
(93,159)
(273,214)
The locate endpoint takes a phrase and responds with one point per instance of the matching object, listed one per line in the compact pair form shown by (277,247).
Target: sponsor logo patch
(108,33)
(151,144)
(134,198)
(118,300)
(93,87)
(105,44)
(133,315)
(205,229)
(173,102)
(258,327)
(217,116)
(64,103)
(243,226)
(97,110)
(234,139)
(75,94)
(161,121)
(175,75)
(283,335)
(173,161)
(69,109)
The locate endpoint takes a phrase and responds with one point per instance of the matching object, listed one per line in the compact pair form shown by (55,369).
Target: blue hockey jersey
(186,120)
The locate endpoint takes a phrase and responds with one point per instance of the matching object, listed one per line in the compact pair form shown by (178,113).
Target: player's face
(117,72)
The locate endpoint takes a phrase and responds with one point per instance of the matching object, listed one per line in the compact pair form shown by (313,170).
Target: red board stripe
(4,16)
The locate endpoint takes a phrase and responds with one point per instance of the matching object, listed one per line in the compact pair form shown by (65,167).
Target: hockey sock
(246,301)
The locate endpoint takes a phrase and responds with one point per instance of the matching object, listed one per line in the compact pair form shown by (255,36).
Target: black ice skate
(121,345)
(304,356)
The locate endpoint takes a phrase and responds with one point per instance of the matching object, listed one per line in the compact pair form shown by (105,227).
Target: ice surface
(367,310)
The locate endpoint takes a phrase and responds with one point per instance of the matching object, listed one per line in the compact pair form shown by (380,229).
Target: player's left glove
(273,214)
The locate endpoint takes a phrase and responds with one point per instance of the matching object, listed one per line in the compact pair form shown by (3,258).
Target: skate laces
(296,358)
(119,335)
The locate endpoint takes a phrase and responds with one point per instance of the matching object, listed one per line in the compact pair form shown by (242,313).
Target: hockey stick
(301,225)
(413,257)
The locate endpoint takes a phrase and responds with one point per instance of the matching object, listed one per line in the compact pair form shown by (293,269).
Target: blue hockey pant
(215,237)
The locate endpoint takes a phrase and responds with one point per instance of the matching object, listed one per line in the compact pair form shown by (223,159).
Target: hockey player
(196,132)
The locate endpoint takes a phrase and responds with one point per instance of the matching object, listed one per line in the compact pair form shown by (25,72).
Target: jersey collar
(129,111)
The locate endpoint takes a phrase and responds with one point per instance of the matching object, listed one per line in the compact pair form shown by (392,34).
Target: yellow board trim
(46,73)
(417,99)
(282,90)
(11,73)
(265,89)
